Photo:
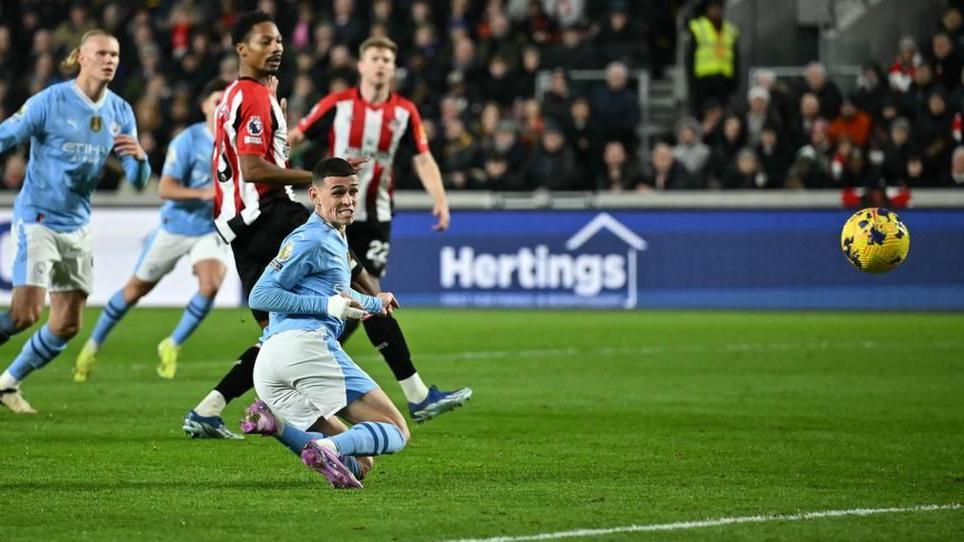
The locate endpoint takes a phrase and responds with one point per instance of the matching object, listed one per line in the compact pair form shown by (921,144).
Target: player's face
(335,199)
(377,66)
(99,57)
(262,50)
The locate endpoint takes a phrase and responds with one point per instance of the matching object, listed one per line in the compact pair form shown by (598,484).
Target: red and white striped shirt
(353,127)
(249,122)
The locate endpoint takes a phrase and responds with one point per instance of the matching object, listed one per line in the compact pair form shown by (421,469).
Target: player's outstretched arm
(431,176)
(256,169)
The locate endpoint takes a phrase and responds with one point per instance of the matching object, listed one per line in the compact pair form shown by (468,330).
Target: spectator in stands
(565,12)
(957,167)
(935,137)
(901,72)
(713,115)
(69,32)
(713,57)
(465,62)
(459,153)
(855,171)
(533,122)
(553,164)
(852,124)
(620,37)
(665,173)
(499,85)
(782,105)
(399,29)
(616,106)
(815,81)
(341,65)
(914,102)
(894,154)
(802,128)
(915,173)
(10,60)
(531,64)
(572,52)
(945,60)
(582,133)
(506,142)
(44,74)
(726,145)
(745,172)
(871,92)
(811,167)
(555,101)
(757,114)
(501,40)
(538,25)
(350,29)
(487,124)
(772,156)
(619,171)
(952,23)
(498,175)
(690,149)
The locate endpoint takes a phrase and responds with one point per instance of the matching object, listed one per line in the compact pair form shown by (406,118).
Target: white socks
(212,405)
(7,381)
(414,389)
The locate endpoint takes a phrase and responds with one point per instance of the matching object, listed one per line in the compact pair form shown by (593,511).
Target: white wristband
(338,306)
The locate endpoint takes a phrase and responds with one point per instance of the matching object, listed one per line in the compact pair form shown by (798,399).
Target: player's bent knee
(66,330)
(209,288)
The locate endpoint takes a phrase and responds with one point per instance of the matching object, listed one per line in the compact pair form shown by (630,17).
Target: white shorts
(304,375)
(59,262)
(163,249)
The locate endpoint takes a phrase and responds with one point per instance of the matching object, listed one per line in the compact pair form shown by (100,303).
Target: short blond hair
(71,62)
(377,42)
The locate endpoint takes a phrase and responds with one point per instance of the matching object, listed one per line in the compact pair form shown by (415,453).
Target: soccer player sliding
(254,207)
(303,377)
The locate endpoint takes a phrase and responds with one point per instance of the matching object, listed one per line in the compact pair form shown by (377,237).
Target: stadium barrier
(713,250)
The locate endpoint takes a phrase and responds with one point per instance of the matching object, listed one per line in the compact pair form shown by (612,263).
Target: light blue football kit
(70,137)
(302,373)
(186,228)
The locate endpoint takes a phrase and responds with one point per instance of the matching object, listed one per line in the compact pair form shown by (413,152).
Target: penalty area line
(719,522)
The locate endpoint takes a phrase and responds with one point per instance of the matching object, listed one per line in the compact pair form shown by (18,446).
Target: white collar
(93,105)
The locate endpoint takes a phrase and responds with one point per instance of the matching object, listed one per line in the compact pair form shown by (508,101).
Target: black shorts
(369,244)
(255,248)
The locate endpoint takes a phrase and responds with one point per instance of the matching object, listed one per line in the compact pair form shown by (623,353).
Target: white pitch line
(588,533)
(652,350)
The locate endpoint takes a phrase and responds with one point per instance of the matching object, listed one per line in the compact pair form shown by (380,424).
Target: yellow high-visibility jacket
(715,50)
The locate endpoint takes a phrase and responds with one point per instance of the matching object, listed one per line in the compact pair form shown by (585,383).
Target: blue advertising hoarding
(667,258)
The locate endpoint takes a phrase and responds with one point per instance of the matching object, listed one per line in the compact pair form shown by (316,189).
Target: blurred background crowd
(495,82)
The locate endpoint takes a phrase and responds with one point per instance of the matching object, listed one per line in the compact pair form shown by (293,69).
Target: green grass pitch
(580,420)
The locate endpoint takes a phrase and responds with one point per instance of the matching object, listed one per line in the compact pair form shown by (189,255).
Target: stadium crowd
(471,67)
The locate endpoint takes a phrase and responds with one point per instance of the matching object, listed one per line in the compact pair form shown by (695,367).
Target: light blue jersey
(311,266)
(70,138)
(189,161)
